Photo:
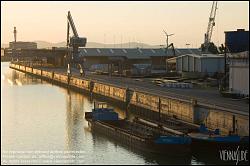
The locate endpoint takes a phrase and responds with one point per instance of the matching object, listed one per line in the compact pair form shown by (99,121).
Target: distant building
(239,73)
(237,41)
(22,45)
(127,57)
(141,69)
(55,57)
(198,65)
(128,60)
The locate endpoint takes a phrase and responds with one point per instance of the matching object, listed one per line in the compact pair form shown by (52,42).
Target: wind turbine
(172,45)
(167,36)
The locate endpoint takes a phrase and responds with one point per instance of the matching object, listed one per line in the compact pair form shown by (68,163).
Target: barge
(213,140)
(207,145)
(138,133)
(203,138)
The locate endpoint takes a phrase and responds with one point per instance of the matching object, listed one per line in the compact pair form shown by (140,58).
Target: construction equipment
(211,24)
(173,49)
(75,42)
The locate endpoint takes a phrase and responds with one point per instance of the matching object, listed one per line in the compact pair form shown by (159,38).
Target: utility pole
(225,64)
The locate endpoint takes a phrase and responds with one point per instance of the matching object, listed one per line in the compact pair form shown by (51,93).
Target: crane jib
(75,42)
(211,24)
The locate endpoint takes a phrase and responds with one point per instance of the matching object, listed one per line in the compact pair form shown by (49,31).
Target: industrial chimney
(15,34)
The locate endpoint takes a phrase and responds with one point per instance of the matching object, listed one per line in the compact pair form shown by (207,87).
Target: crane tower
(75,42)
(211,24)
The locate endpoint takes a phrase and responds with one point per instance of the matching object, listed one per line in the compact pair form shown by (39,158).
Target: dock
(192,106)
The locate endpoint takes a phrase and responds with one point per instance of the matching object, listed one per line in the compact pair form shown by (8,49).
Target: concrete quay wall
(188,111)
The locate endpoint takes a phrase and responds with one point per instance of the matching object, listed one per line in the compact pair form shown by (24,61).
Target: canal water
(43,123)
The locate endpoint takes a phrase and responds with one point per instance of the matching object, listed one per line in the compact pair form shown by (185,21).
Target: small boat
(138,133)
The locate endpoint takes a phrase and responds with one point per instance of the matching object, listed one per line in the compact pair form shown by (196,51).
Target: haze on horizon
(115,22)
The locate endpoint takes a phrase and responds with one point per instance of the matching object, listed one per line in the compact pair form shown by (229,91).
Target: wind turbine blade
(165,32)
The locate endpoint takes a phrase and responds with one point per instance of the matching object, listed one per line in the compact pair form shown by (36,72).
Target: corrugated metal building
(154,56)
(196,65)
(239,73)
(119,59)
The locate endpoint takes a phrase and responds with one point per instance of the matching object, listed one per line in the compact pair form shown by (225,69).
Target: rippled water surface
(41,122)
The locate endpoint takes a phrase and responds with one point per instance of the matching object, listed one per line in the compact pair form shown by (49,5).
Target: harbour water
(44,123)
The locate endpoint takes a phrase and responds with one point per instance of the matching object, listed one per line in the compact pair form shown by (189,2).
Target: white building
(194,65)
(239,73)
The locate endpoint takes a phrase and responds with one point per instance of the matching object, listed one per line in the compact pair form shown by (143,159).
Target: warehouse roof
(134,53)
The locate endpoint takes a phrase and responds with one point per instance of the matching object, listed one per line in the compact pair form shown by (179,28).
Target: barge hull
(198,144)
(139,142)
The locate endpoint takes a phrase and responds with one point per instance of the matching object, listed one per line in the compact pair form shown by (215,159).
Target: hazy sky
(111,22)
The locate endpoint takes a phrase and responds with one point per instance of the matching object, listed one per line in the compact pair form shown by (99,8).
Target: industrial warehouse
(194,101)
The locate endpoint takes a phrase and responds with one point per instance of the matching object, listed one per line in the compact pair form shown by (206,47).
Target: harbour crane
(211,24)
(75,42)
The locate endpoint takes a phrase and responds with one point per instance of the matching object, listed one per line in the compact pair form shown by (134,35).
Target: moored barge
(137,133)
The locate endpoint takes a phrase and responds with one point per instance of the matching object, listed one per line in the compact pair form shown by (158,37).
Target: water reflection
(74,123)
(41,116)
(18,78)
(10,82)
(149,158)
(74,120)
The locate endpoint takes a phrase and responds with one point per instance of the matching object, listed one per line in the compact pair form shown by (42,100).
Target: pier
(194,107)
